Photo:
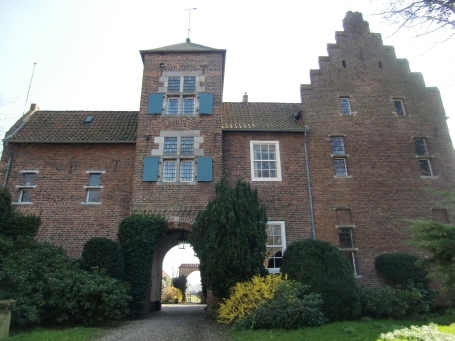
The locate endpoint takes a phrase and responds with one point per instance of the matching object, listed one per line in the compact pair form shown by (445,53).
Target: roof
(187,46)
(69,127)
(261,116)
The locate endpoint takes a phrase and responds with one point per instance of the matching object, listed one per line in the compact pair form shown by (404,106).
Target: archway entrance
(168,244)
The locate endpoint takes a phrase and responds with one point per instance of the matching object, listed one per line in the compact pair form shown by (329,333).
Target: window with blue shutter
(155,104)
(206,104)
(150,171)
(204,169)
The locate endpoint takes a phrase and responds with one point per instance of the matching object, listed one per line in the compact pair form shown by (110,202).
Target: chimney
(34,107)
(245,98)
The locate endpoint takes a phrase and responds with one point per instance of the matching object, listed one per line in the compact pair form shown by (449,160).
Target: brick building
(349,164)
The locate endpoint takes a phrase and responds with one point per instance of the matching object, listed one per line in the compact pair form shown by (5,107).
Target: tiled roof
(261,116)
(182,47)
(69,126)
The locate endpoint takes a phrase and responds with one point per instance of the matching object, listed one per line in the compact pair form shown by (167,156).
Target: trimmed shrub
(14,224)
(50,288)
(388,302)
(229,237)
(180,283)
(292,307)
(400,268)
(247,296)
(416,333)
(137,236)
(323,267)
(171,294)
(105,254)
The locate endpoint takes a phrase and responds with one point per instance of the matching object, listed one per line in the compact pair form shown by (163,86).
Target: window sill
(25,187)
(92,187)
(22,203)
(357,276)
(427,156)
(266,179)
(91,203)
(273,270)
(176,183)
(352,113)
(339,155)
(342,176)
(349,249)
(344,225)
(429,177)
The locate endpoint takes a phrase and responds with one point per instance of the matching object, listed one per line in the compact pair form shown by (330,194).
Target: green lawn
(73,334)
(344,331)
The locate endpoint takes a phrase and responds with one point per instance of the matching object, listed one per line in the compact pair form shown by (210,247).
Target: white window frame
(24,188)
(277,161)
(89,188)
(283,245)
(395,100)
(345,166)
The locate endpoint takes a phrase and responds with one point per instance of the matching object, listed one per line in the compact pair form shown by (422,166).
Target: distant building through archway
(186,269)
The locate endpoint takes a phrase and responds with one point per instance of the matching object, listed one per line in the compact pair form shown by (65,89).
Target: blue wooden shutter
(155,104)
(204,169)
(150,171)
(206,104)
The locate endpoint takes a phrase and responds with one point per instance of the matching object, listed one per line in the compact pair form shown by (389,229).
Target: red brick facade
(384,185)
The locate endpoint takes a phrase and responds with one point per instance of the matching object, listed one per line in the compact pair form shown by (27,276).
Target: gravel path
(174,322)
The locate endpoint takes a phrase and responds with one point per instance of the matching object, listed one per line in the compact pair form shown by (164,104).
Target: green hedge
(50,288)
(105,254)
(137,236)
(323,267)
(400,268)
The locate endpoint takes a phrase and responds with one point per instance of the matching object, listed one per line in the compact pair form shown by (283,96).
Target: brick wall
(285,200)
(174,199)
(59,189)
(385,187)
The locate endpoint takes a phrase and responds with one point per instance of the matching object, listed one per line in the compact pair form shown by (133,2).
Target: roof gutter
(61,142)
(275,130)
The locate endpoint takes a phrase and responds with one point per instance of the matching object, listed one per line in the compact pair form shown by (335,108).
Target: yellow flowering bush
(246,296)
(171,294)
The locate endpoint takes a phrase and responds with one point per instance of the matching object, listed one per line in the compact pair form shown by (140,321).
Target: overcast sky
(87,51)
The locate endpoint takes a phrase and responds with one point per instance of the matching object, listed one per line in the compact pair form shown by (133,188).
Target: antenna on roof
(189,22)
(30,85)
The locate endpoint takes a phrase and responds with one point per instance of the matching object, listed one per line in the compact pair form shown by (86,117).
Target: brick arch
(187,269)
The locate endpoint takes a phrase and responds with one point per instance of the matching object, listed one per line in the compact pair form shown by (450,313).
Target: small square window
(170,146)
(338,145)
(188,106)
(173,84)
(186,171)
(187,146)
(169,171)
(25,195)
(421,146)
(340,167)
(189,84)
(399,107)
(425,168)
(28,179)
(93,195)
(173,106)
(345,106)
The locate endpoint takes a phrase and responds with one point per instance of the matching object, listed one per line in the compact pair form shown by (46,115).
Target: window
(94,188)
(188,106)
(423,155)
(173,106)
(425,167)
(347,247)
(181,105)
(399,107)
(421,146)
(175,165)
(340,167)
(26,187)
(189,84)
(276,244)
(173,84)
(265,161)
(345,106)
(337,145)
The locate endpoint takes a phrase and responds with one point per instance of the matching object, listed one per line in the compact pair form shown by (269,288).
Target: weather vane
(189,21)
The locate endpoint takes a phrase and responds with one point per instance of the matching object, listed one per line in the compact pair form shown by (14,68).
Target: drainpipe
(310,195)
(8,167)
